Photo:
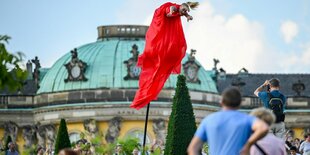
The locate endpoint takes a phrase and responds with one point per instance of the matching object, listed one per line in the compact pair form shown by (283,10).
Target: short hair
(274,82)
(293,148)
(231,97)
(264,114)
(10,143)
(39,148)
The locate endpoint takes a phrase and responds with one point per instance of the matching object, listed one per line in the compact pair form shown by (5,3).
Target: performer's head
(231,98)
(185,7)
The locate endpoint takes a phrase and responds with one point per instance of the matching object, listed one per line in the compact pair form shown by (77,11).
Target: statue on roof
(36,72)
(192,55)
(134,52)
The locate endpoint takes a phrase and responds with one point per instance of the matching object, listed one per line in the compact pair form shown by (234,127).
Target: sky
(261,35)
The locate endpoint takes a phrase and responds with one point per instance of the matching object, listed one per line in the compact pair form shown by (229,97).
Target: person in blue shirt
(273,96)
(12,149)
(228,131)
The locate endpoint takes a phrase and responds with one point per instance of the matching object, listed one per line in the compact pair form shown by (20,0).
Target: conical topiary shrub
(182,126)
(62,140)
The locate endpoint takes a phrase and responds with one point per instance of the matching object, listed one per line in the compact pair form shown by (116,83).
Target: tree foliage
(62,140)
(182,126)
(128,144)
(12,75)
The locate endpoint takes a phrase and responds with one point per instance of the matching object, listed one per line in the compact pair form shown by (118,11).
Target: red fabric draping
(164,50)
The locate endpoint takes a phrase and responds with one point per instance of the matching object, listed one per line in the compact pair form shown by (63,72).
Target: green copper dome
(105,65)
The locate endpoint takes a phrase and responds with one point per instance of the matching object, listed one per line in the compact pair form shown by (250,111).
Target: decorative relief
(191,68)
(114,129)
(159,129)
(46,135)
(91,128)
(238,83)
(76,68)
(298,87)
(133,71)
(29,135)
(10,129)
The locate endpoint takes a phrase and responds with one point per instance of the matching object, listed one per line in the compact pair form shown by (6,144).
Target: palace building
(93,85)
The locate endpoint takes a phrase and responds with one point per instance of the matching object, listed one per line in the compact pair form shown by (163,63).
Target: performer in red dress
(164,50)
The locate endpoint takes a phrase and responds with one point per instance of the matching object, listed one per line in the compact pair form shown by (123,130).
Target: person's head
(308,137)
(231,98)
(11,146)
(119,148)
(264,114)
(185,7)
(135,151)
(293,150)
(274,83)
(40,150)
(297,140)
(67,152)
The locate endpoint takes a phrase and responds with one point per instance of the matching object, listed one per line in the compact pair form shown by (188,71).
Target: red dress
(164,50)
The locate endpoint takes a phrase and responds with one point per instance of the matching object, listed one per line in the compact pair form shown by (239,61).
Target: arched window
(74,137)
(138,133)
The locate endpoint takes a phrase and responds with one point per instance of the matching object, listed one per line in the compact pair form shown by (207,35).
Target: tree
(182,126)
(11,74)
(62,140)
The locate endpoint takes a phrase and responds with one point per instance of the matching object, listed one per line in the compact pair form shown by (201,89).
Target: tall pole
(145,127)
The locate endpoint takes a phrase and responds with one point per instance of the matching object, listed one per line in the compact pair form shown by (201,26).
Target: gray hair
(264,114)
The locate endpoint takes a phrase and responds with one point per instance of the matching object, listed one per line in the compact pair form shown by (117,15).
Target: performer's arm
(189,17)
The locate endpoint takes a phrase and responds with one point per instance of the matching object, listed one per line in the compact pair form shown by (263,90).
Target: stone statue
(46,135)
(10,129)
(113,130)
(134,52)
(74,55)
(192,55)
(159,129)
(90,125)
(215,61)
(29,137)
(36,72)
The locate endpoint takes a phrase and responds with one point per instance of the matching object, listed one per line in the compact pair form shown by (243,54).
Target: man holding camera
(274,100)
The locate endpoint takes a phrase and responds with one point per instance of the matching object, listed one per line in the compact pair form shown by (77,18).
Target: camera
(268,88)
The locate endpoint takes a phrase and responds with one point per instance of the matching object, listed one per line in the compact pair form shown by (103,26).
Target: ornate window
(74,136)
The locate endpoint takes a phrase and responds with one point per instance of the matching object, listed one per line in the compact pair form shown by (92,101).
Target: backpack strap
(260,149)
(269,98)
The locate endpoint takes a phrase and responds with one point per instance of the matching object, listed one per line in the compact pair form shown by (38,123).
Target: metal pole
(145,127)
